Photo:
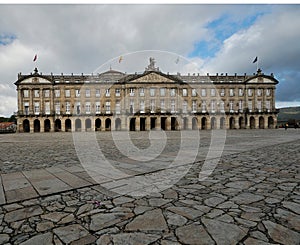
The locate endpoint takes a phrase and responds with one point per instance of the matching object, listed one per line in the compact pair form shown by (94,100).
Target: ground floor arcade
(143,123)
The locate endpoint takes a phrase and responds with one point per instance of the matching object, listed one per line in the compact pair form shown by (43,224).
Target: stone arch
(36,125)
(107,124)
(252,122)
(47,125)
(88,124)
(270,122)
(142,123)
(231,122)
(174,123)
(57,125)
(132,124)
(98,124)
(26,126)
(261,122)
(203,123)
(77,124)
(68,125)
(118,124)
(213,123)
(241,122)
(222,123)
(185,123)
(194,123)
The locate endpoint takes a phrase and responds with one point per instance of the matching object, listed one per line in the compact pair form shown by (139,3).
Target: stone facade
(143,101)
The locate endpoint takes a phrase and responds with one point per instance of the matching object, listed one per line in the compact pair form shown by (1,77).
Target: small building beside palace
(150,100)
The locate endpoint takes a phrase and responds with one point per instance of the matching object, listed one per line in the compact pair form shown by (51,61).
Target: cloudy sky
(90,38)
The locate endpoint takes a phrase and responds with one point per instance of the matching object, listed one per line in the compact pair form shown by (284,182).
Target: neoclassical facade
(151,100)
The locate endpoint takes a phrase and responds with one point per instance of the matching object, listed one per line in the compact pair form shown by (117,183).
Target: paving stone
(224,233)
(103,220)
(239,184)
(44,226)
(89,239)
(292,206)
(291,218)
(252,241)
(247,198)
(213,201)
(193,234)
(70,233)
(45,238)
(281,234)
(54,216)
(150,221)
(187,212)
(175,219)
(135,238)
(23,213)
(4,238)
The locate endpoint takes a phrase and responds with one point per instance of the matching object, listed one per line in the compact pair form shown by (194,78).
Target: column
(157,123)
(63,125)
(137,123)
(168,123)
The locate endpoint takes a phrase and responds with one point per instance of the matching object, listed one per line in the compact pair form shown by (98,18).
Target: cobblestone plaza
(252,196)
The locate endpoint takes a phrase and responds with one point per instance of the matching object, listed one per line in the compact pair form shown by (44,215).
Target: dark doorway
(142,124)
(107,124)
(174,123)
(26,126)
(36,125)
(57,125)
(77,124)
(47,125)
(163,123)
(152,122)
(118,124)
(203,123)
(68,125)
(98,124)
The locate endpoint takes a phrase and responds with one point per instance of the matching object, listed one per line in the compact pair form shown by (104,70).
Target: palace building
(151,100)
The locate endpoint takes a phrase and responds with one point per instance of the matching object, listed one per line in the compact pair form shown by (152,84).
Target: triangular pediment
(34,80)
(154,77)
(262,80)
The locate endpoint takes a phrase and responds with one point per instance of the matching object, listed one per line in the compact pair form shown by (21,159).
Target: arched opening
(185,123)
(26,126)
(231,122)
(252,122)
(77,124)
(142,124)
(98,124)
(57,125)
(132,124)
(118,124)
(270,122)
(203,123)
(47,125)
(213,123)
(174,123)
(107,124)
(36,125)
(261,122)
(68,125)
(222,123)
(241,122)
(152,122)
(163,123)
(194,123)
(88,124)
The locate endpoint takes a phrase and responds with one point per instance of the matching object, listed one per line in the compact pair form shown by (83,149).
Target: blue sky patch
(6,39)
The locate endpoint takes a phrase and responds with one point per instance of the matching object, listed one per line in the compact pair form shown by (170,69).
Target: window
(268,92)
(184,92)
(36,93)
(222,93)
(231,92)
(203,106)
(57,108)
(68,93)
(250,105)
(97,93)
(173,107)
(107,92)
(78,108)
(194,105)
(173,92)
(47,108)
(163,92)
(87,93)
(222,108)
(250,92)
(77,93)
(36,108)
(212,92)
(268,105)
(68,107)
(152,92)
(241,92)
(194,92)
(213,106)
(131,92)
(203,92)
(259,105)
(118,107)
(47,93)
(162,105)
(26,108)
(98,108)
(241,106)
(57,93)
(142,106)
(107,107)
(87,107)
(142,92)
(131,103)
(259,92)
(152,105)
(184,106)
(231,106)
(26,93)
(118,92)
